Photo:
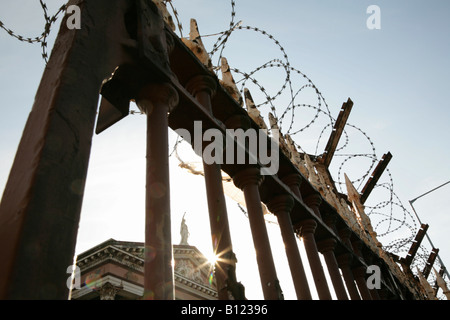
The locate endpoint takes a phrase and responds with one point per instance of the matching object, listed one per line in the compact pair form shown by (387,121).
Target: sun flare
(212,258)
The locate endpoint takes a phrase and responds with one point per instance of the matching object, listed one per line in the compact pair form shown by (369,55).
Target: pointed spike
(226,72)
(253,111)
(443,285)
(355,198)
(273,121)
(307,160)
(440,281)
(290,143)
(353,194)
(195,44)
(194,33)
(165,13)
(309,166)
(426,285)
(295,155)
(249,102)
(228,81)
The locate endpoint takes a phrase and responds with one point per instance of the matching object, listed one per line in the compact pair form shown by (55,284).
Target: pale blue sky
(398,78)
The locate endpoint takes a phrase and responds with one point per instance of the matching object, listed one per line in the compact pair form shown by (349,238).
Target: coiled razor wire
(389,217)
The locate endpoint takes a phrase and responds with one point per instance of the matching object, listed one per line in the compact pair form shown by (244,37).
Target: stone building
(114,270)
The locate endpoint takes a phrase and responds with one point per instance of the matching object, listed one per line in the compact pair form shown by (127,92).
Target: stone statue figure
(184,232)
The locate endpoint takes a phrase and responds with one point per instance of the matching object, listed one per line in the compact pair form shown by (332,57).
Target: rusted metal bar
(148,79)
(371,183)
(41,204)
(281,206)
(344,262)
(248,180)
(415,246)
(157,100)
(306,231)
(336,134)
(440,273)
(359,274)
(203,88)
(429,265)
(326,247)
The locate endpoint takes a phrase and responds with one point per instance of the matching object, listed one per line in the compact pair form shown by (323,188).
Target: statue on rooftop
(184,232)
